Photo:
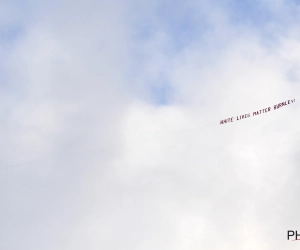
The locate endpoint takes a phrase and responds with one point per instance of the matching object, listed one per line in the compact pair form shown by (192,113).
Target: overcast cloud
(110,135)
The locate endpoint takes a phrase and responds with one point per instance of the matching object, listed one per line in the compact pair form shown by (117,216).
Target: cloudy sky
(110,135)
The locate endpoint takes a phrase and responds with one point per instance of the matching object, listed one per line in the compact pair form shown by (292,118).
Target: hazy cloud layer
(110,135)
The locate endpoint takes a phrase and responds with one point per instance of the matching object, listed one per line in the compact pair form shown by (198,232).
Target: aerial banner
(259,112)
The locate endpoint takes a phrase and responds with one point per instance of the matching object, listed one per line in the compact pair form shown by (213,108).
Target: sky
(110,124)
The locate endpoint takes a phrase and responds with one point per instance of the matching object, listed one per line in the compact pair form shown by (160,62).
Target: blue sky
(189,24)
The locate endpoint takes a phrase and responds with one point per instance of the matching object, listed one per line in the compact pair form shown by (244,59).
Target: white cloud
(156,177)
